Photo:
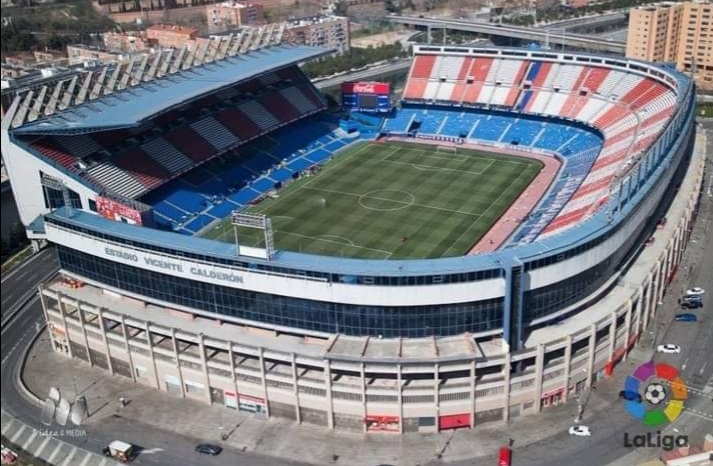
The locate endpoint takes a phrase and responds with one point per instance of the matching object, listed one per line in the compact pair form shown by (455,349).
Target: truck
(120,451)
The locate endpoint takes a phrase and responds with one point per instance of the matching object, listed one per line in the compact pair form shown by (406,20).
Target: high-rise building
(681,33)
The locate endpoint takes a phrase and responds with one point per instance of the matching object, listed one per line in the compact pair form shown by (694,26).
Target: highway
(367,74)
(515,32)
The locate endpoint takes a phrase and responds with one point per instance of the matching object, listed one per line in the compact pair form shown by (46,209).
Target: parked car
(668,349)
(209,449)
(691,304)
(685,318)
(692,298)
(628,395)
(695,291)
(580,431)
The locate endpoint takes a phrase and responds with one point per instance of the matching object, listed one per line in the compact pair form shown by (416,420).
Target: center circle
(386,200)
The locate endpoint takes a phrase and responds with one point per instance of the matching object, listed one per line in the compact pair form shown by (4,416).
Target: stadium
(490,245)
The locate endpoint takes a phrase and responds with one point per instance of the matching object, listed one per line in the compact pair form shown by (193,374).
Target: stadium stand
(628,110)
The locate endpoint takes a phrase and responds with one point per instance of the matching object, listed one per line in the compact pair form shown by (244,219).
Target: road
(163,447)
(366,74)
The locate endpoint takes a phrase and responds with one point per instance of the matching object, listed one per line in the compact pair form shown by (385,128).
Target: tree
(17,237)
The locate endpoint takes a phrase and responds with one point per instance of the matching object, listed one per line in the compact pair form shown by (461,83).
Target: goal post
(452,150)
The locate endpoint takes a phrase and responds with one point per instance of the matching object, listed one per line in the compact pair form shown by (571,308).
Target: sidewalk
(287,440)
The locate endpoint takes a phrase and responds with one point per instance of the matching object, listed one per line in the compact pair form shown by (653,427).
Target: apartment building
(233,14)
(320,31)
(681,33)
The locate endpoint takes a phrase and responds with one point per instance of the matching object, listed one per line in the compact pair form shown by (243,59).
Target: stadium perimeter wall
(308,380)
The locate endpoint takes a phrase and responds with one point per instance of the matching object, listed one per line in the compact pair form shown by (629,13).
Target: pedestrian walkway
(43,444)
(150,411)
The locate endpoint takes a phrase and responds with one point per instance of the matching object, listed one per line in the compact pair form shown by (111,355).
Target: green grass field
(392,200)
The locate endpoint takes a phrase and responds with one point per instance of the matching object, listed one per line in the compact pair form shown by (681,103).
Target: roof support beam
(49,109)
(35,111)
(68,93)
(22,113)
(85,87)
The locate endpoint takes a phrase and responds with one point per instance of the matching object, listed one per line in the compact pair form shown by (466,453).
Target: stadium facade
(379,345)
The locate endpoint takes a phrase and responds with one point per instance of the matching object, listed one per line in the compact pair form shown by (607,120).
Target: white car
(668,349)
(580,431)
(697,291)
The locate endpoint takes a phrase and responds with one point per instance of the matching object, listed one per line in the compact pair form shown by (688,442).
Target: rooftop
(129,107)
(173,28)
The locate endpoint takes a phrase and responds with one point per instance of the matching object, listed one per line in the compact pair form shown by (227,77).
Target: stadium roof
(127,108)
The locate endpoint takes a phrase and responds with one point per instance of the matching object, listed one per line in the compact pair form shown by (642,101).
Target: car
(580,431)
(693,298)
(685,318)
(628,395)
(695,291)
(668,348)
(209,449)
(691,304)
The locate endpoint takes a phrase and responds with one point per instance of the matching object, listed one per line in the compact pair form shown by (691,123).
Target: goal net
(447,149)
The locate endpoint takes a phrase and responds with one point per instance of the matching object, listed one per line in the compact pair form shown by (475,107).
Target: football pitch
(392,200)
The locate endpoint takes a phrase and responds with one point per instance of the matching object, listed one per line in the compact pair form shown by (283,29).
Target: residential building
(681,33)
(232,14)
(171,36)
(320,31)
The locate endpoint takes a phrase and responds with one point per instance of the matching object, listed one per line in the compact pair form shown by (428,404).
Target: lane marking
(42,446)
(29,440)
(17,434)
(69,458)
(54,452)
(86,459)
(7,425)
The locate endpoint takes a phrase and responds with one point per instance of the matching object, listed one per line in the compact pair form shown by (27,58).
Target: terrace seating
(168,156)
(80,145)
(214,132)
(298,99)
(121,182)
(259,115)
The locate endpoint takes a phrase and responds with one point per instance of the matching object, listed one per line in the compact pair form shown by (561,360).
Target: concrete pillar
(567,365)
(82,324)
(204,363)
(149,342)
(363,393)
(328,387)
(263,376)
(436,393)
(400,400)
(590,356)
(296,391)
(231,355)
(178,362)
(100,315)
(539,375)
(612,336)
(472,393)
(506,391)
(63,316)
(127,348)
(627,328)
(640,311)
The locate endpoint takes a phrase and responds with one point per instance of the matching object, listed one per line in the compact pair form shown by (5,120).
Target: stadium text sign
(162,264)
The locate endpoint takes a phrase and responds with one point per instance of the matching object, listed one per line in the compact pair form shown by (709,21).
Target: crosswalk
(49,448)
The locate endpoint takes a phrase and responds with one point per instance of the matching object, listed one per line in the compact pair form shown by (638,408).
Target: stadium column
(296,389)
(204,362)
(472,393)
(649,297)
(513,304)
(328,386)
(82,322)
(567,366)
(539,372)
(263,377)
(363,393)
(639,311)
(591,354)
(627,328)
(63,315)
(506,386)
(100,313)
(437,398)
(612,336)
(149,344)
(127,348)
(234,376)
(400,399)
(178,361)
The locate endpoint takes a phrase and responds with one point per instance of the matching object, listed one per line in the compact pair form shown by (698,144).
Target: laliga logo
(664,391)
(366,88)
(648,377)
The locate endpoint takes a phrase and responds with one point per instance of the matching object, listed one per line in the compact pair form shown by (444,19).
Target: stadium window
(92,205)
